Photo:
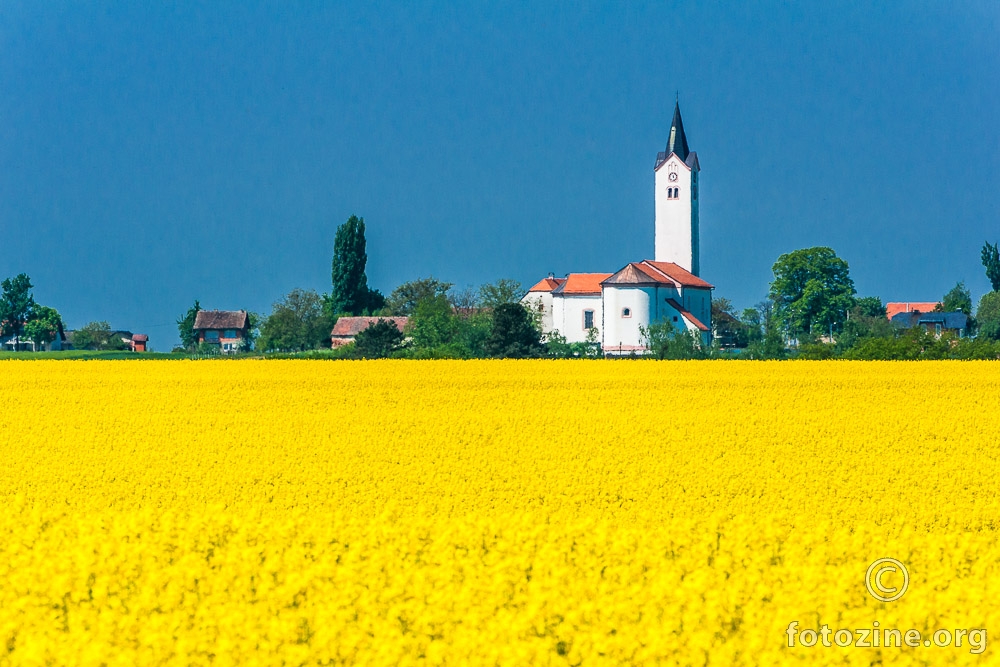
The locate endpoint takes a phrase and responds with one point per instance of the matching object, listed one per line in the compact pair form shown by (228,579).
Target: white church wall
(541,302)
(569,315)
(626,309)
(674,221)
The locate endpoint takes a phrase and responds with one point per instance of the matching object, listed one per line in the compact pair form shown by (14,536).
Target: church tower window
(626,312)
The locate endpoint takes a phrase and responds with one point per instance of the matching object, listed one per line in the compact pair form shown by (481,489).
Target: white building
(665,289)
(539,298)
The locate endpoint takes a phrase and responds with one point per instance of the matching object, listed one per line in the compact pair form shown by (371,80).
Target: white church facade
(615,307)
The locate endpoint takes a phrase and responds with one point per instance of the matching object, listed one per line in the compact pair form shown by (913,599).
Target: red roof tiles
(582,283)
(547,284)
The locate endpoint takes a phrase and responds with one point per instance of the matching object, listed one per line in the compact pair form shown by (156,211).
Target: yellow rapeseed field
(497,512)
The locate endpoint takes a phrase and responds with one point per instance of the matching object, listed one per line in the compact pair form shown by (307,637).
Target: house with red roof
(617,307)
(895,307)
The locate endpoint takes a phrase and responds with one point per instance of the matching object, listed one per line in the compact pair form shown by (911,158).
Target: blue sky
(151,154)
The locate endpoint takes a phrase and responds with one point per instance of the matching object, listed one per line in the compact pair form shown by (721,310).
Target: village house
(23,344)
(895,307)
(347,328)
(937,323)
(226,328)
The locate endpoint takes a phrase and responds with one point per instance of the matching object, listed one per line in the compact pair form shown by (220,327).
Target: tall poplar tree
(991,260)
(16,306)
(351,293)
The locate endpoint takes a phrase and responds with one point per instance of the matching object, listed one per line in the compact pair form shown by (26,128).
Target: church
(611,308)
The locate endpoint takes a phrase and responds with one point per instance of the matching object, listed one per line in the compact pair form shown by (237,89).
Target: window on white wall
(626,312)
(588,319)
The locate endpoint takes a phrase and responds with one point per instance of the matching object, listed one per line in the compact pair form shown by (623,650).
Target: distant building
(226,328)
(539,299)
(23,344)
(936,323)
(896,307)
(140,342)
(347,328)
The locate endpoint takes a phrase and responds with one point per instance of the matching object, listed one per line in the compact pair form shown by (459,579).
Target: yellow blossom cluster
(495,512)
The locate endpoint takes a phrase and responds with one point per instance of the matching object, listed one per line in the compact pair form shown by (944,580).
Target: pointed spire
(677,143)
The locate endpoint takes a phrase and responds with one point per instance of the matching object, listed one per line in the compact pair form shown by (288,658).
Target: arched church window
(626,312)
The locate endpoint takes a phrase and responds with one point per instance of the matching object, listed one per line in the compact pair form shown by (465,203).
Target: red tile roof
(678,273)
(547,284)
(687,315)
(910,307)
(582,283)
(140,338)
(648,272)
(352,326)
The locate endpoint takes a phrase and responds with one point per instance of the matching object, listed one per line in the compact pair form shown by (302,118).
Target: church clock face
(673,176)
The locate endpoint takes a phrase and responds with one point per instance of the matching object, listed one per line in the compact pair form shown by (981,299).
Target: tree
(514,335)
(991,260)
(404,299)
(766,341)
(44,325)
(466,299)
(666,341)
(870,306)
(97,336)
(185,327)
(351,293)
(727,328)
(867,319)
(988,316)
(812,289)
(377,341)
(296,322)
(958,299)
(16,304)
(503,291)
(433,326)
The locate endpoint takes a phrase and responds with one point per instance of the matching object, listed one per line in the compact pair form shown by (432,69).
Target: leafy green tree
(379,340)
(867,319)
(503,291)
(988,316)
(958,299)
(351,294)
(297,322)
(665,341)
(97,336)
(514,335)
(433,327)
(812,289)
(253,332)
(185,327)
(991,260)
(728,330)
(44,325)
(869,306)
(766,341)
(404,299)
(16,304)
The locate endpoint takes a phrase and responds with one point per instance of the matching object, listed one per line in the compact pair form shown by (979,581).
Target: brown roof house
(226,328)
(347,328)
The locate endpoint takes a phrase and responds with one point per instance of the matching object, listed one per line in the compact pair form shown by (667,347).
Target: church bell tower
(676,177)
